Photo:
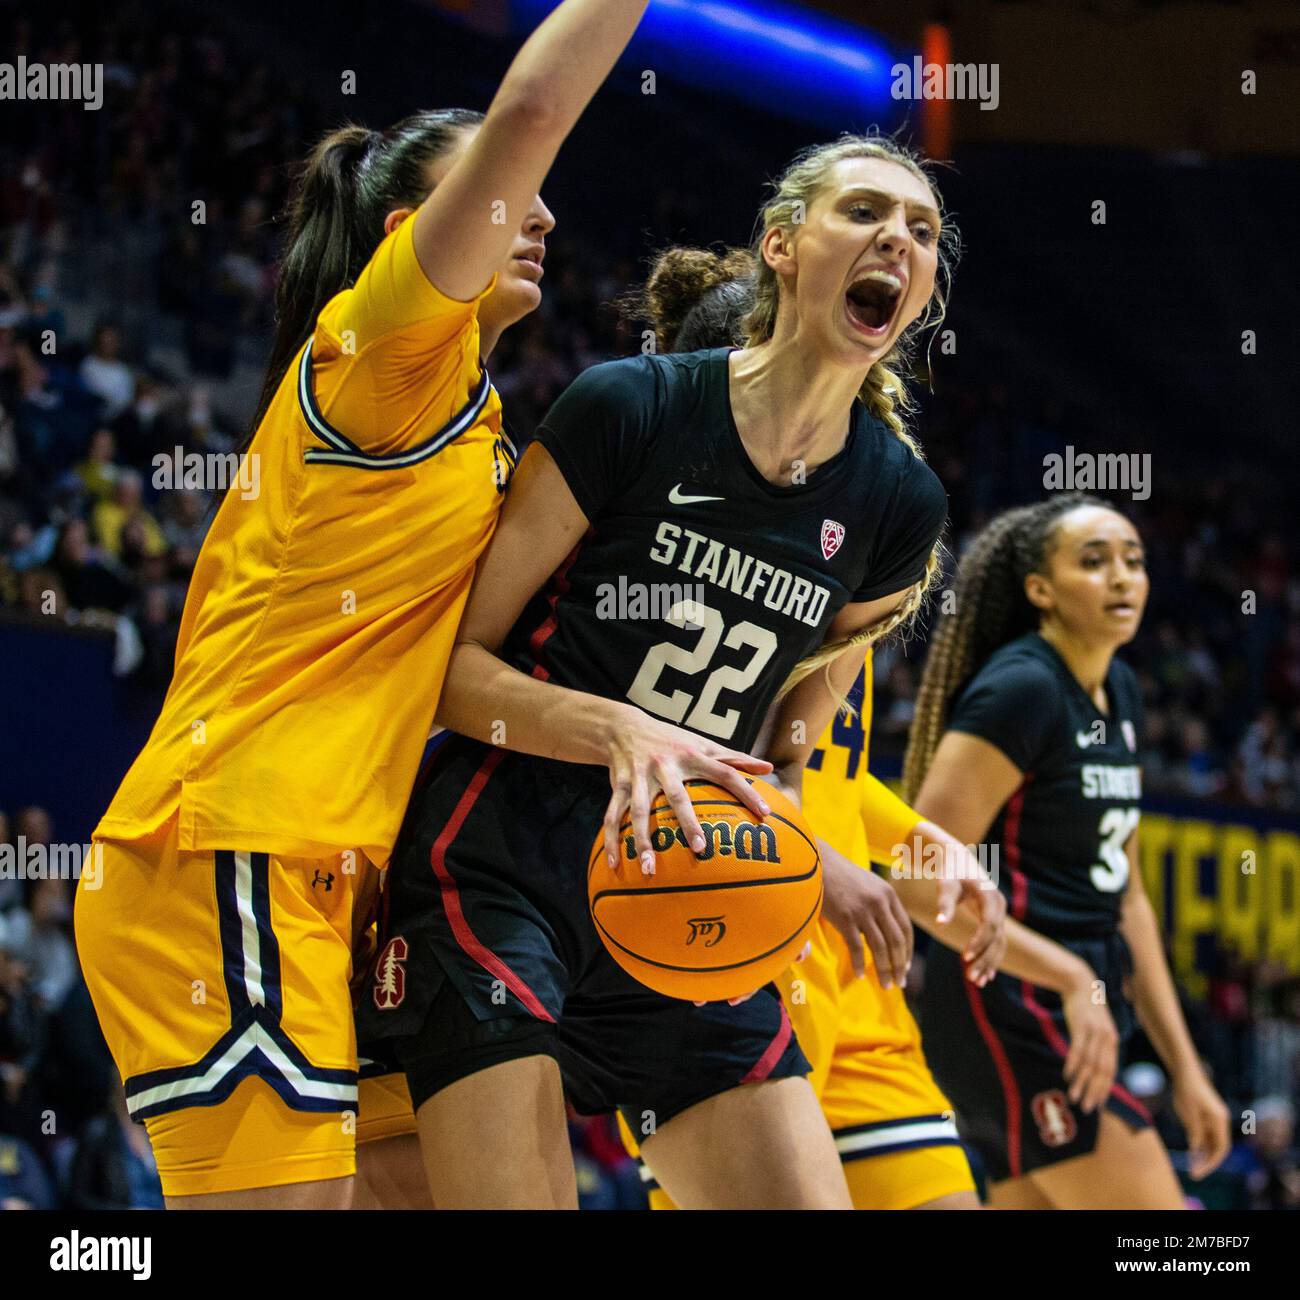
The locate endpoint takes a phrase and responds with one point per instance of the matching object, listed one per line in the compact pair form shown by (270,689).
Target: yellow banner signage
(1236,884)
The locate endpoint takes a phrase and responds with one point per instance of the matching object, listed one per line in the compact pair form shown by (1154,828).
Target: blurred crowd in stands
(88,537)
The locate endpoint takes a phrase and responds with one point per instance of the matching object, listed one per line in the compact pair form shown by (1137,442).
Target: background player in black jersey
(1026,736)
(771,481)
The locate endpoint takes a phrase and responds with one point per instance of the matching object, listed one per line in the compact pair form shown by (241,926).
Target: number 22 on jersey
(700,711)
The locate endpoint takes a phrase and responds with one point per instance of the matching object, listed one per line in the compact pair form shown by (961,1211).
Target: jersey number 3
(700,711)
(1110,875)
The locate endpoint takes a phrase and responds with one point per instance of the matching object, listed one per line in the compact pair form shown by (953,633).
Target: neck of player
(792,410)
(1088,661)
(488,334)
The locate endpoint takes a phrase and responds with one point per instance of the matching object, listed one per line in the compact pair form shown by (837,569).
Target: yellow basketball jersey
(847,806)
(324,602)
(862,818)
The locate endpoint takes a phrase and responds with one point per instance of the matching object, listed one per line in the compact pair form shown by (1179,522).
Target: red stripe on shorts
(775,1050)
(1116,1090)
(1055,1038)
(451,894)
(1006,1076)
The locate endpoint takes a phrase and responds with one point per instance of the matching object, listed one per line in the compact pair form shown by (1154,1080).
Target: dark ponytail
(679,279)
(348,184)
(991,609)
(718,319)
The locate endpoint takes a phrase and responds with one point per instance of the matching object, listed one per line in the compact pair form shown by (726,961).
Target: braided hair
(991,610)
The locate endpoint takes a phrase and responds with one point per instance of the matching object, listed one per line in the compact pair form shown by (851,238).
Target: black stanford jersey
(1061,836)
(700,585)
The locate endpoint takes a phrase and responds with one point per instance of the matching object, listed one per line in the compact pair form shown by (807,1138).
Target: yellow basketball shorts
(220,979)
(895,1130)
(383,1106)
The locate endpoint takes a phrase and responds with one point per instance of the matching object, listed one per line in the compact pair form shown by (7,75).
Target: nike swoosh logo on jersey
(677,497)
(1083,739)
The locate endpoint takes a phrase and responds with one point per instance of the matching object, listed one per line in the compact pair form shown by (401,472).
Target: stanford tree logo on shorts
(1055,1119)
(390,975)
(832,537)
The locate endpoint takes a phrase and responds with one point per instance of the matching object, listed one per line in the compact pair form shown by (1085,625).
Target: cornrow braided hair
(991,610)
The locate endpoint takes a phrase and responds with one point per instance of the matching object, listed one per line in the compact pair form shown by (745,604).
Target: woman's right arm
(465,228)
(968,781)
(487,699)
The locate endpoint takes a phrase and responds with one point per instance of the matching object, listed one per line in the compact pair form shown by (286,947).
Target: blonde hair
(681,277)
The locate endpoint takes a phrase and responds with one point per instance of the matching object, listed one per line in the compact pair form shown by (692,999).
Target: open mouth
(872,302)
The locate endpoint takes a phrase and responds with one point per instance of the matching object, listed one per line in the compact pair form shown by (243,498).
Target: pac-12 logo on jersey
(390,975)
(1055,1119)
(1130,735)
(832,537)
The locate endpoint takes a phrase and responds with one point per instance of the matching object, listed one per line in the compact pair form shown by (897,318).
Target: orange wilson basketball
(719,925)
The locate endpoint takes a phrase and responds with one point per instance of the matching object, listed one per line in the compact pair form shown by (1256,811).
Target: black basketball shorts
(998,1052)
(488,952)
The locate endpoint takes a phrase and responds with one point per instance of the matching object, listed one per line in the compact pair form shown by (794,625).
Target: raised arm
(465,228)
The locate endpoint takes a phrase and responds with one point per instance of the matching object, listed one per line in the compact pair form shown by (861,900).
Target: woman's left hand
(1206,1119)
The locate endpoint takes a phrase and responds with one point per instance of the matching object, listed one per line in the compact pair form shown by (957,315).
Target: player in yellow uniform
(894,1128)
(217,923)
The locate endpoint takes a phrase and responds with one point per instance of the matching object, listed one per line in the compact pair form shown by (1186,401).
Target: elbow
(455,710)
(471,645)
(788,778)
(528,107)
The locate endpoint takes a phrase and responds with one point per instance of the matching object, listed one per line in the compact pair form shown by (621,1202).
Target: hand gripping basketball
(717,923)
(647,756)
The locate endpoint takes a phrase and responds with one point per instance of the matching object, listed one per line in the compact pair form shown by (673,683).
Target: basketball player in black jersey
(772,484)
(1026,738)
